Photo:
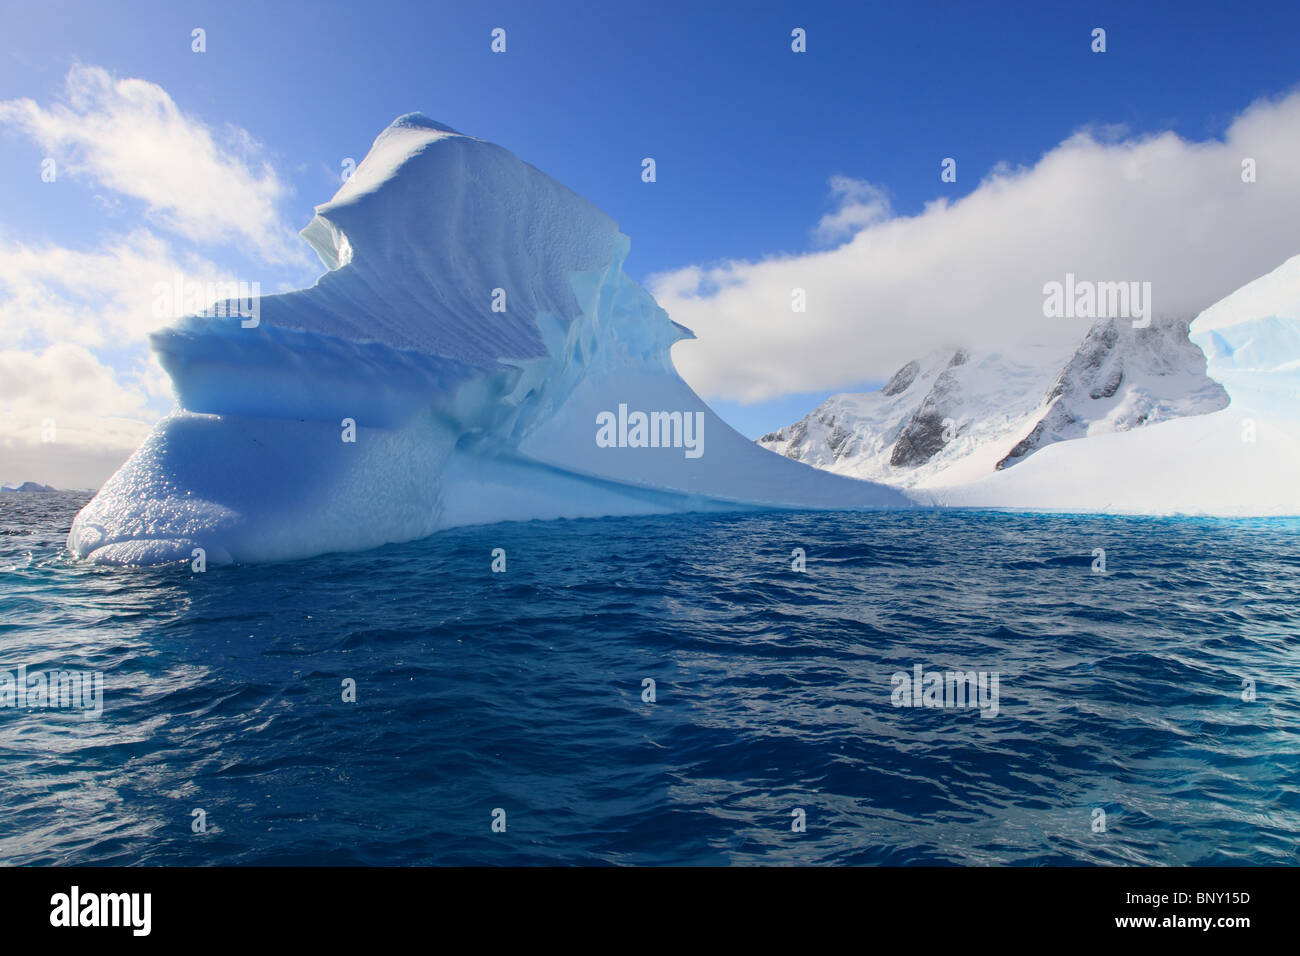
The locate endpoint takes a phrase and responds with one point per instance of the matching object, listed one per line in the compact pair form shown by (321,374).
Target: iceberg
(460,362)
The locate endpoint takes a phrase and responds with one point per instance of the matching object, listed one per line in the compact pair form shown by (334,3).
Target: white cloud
(102,298)
(74,321)
(860,204)
(129,136)
(1154,208)
(65,394)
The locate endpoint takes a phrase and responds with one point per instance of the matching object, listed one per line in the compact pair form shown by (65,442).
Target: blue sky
(746,134)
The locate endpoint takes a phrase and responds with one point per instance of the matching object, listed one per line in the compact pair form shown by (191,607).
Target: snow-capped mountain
(1241,460)
(1122,378)
(951,408)
(959,414)
(1173,419)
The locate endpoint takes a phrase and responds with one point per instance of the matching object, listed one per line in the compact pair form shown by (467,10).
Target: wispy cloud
(859,204)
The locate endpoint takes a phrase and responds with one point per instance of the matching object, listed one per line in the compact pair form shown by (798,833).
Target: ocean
(665,690)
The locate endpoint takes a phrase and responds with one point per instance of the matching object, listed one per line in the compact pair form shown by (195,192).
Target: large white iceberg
(476,326)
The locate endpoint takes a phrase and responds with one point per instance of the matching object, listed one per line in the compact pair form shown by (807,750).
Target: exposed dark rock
(902,380)
(1111,352)
(923,436)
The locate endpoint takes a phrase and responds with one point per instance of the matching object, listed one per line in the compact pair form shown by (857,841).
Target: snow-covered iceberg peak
(448,257)
(452,366)
(486,244)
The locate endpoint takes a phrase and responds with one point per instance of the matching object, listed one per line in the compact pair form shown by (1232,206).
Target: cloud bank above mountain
(1102,205)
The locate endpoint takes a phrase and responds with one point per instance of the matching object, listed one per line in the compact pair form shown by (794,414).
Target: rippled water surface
(523,691)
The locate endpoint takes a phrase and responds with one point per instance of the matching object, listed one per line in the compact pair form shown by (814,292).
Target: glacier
(473,323)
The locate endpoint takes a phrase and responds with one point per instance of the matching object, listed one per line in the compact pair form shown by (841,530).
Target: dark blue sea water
(523,691)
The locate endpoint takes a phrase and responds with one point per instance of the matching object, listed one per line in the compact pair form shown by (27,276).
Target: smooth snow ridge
(474,322)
